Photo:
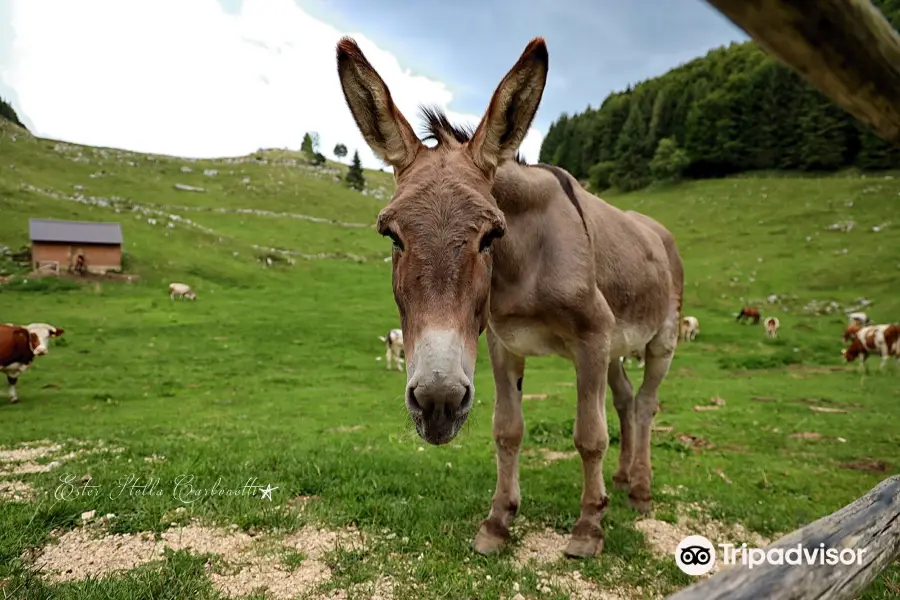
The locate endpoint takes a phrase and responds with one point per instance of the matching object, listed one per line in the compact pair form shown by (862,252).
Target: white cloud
(186,78)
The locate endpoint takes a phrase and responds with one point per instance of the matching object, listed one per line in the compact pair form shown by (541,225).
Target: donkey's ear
(383,126)
(512,109)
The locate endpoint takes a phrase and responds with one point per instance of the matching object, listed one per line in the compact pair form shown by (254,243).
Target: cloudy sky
(205,78)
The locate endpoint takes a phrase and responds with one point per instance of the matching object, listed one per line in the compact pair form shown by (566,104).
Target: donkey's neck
(543,230)
(520,189)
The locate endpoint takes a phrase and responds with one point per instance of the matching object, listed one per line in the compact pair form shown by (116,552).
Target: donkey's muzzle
(439,411)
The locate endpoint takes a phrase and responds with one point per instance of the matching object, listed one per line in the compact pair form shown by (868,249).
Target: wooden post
(844,48)
(871,522)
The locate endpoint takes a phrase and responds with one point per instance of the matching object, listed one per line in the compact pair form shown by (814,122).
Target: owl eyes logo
(695,555)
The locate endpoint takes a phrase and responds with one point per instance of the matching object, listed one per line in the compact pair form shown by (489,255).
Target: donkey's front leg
(509,427)
(591,441)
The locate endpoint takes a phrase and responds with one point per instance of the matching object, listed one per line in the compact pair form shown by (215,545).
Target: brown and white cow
(45,331)
(884,339)
(850,332)
(690,327)
(18,347)
(772,324)
(393,342)
(748,312)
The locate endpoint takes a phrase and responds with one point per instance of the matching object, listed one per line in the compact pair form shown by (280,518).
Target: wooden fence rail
(871,522)
(844,48)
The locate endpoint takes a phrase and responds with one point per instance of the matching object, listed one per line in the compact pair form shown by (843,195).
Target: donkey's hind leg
(623,400)
(660,352)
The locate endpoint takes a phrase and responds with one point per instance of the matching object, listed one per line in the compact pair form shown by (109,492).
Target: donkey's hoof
(643,503)
(488,543)
(13,400)
(584,547)
(491,537)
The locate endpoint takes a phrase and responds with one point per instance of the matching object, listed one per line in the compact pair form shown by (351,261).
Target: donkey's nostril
(411,402)
(466,403)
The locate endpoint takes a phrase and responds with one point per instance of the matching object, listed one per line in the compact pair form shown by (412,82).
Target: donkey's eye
(394,238)
(489,238)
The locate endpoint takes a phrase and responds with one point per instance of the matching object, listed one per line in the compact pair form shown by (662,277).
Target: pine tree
(354,177)
(632,164)
(8,112)
(307,144)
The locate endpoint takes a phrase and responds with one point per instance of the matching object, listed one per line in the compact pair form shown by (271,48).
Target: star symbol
(267,491)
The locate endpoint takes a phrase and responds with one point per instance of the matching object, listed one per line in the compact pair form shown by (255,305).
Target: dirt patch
(535,396)
(244,563)
(542,547)
(24,459)
(869,466)
(269,571)
(16,491)
(380,589)
(664,537)
(578,588)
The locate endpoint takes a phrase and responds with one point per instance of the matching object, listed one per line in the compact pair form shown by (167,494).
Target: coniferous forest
(8,112)
(735,109)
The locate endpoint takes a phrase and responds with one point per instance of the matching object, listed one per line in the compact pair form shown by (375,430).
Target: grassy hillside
(271,375)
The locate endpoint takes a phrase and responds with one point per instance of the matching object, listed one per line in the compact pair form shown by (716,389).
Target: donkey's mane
(438,128)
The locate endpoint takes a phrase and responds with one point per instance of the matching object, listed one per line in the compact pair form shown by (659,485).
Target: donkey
(482,241)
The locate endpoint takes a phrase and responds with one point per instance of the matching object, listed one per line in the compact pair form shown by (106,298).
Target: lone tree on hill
(307,144)
(340,150)
(310,147)
(354,177)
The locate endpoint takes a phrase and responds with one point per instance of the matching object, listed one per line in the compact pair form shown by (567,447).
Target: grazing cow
(850,332)
(885,339)
(772,324)
(859,318)
(18,347)
(690,327)
(181,290)
(484,242)
(393,342)
(749,313)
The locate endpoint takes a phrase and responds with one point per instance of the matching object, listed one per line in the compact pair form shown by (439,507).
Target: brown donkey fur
(485,242)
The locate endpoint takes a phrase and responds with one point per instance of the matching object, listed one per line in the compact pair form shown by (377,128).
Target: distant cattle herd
(864,338)
(20,344)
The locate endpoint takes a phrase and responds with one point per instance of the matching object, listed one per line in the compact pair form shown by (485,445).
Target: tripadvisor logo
(695,555)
